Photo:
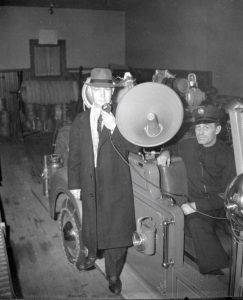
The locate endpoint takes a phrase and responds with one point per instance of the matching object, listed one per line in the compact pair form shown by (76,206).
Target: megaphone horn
(153,128)
(149,114)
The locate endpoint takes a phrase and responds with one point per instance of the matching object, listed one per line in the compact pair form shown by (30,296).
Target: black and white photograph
(121,149)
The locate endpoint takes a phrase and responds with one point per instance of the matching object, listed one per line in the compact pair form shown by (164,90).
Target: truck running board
(133,287)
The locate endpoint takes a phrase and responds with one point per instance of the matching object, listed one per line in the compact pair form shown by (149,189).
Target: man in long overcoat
(98,166)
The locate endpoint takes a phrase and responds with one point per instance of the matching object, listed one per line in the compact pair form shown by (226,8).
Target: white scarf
(94,115)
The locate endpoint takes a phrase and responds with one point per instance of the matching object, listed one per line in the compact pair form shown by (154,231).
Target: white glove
(189,208)
(76,193)
(109,120)
(164,158)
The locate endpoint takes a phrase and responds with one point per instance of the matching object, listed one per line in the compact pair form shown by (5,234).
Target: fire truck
(161,264)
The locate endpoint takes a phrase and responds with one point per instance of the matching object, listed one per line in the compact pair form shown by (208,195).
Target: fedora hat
(101,77)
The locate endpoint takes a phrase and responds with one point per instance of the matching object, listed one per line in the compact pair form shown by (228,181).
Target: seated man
(210,168)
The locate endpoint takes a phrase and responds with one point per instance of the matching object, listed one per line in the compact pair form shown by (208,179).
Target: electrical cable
(166,193)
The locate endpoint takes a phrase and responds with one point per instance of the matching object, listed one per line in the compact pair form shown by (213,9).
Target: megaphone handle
(106,107)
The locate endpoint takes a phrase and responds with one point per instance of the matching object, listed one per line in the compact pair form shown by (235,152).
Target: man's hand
(108,120)
(76,193)
(164,158)
(189,208)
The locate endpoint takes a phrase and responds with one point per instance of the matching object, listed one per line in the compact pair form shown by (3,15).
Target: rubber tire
(71,233)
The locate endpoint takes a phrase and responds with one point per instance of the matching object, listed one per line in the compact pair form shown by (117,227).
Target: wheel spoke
(70,235)
(71,232)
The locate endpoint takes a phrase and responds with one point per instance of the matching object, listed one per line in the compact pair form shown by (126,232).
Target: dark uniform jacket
(106,191)
(209,171)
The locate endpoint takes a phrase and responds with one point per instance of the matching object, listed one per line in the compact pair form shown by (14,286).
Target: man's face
(207,133)
(101,95)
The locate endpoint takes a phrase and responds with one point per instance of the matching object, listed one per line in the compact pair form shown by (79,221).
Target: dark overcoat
(106,191)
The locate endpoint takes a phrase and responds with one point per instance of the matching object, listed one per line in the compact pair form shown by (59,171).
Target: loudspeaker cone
(149,114)
(153,128)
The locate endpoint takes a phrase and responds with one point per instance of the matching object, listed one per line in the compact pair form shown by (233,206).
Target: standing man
(99,175)
(210,167)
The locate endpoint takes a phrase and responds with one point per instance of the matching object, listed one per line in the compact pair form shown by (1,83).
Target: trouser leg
(114,261)
(209,251)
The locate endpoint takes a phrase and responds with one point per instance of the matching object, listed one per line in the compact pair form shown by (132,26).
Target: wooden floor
(39,267)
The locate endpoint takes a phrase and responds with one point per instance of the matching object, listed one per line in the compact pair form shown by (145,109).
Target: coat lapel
(88,144)
(104,136)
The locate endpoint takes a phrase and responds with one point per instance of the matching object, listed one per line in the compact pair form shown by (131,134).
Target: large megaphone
(149,114)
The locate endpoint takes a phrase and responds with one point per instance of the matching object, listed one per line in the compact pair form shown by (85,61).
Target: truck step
(133,287)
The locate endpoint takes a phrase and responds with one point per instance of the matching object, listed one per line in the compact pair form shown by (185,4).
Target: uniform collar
(209,149)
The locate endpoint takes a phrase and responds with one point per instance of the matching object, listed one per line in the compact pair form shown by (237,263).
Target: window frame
(61,45)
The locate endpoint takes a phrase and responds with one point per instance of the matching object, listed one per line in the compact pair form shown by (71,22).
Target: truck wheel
(71,232)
